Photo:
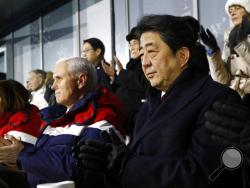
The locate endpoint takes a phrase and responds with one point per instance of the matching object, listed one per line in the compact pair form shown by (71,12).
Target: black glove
(245,139)
(107,157)
(224,121)
(238,34)
(92,155)
(118,155)
(227,121)
(91,163)
(209,40)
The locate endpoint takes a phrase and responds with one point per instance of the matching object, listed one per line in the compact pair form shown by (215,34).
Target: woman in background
(18,118)
(232,66)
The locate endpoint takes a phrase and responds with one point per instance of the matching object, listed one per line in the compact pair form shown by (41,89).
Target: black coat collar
(183,91)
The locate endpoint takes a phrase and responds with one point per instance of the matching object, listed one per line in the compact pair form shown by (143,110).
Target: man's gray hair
(39,72)
(78,66)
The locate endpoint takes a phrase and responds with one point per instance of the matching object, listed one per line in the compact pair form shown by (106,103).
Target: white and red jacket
(22,124)
(50,160)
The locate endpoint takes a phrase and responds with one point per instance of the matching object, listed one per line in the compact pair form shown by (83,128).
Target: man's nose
(83,55)
(145,60)
(53,87)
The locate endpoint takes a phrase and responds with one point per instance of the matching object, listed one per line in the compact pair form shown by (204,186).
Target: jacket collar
(78,106)
(82,102)
(183,91)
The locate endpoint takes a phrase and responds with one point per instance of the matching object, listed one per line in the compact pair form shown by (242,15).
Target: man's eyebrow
(56,76)
(147,45)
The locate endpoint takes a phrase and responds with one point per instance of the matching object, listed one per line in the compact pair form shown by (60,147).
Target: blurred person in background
(231,66)
(49,94)
(129,84)
(93,50)
(35,83)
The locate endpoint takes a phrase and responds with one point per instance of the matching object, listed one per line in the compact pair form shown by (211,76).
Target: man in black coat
(129,84)
(171,146)
(93,50)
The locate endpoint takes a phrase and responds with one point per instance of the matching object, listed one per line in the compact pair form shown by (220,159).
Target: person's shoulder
(133,64)
(213,87)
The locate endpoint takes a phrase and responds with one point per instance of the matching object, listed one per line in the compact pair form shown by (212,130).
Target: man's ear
(82,81)
(183,55)
(41,80)
(98,51)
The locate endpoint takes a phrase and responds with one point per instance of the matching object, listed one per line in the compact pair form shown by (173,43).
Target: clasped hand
(9,149)
(106,156)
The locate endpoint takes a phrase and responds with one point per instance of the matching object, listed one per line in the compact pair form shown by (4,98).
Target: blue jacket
(50,160)
(171,146)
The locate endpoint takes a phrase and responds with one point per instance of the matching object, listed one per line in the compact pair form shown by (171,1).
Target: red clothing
(107,107)
(24,124)
(50,159)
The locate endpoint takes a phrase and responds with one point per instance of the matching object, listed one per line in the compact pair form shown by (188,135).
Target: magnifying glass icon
(231,159)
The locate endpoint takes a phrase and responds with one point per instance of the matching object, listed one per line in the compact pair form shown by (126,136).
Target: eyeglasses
(86,51)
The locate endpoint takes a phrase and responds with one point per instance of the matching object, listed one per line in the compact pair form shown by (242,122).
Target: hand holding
(4,142)
(10,152)
(93,155)
(118,154)
(104,156)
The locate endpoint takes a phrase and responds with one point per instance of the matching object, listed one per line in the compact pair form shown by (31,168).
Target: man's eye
(152,53)
(141,53)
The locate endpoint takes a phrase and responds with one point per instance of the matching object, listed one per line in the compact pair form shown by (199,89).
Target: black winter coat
(130,87)
(171,147)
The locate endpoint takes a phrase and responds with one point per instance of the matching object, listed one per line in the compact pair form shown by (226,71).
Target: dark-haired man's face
(90,54)
(134,48)
(160,66)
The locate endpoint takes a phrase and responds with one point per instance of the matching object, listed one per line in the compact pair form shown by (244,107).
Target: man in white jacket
(35,83)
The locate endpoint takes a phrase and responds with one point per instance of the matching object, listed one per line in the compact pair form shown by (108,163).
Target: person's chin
(58,100)
(236,22)
(152,83)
